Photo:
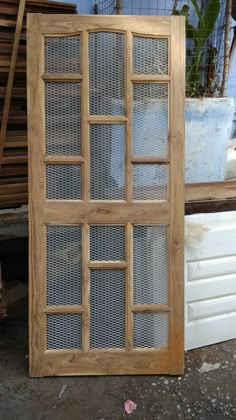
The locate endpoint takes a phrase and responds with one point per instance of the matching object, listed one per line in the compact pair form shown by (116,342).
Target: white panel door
(210,279)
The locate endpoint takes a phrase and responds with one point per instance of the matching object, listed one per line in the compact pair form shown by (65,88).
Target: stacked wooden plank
(13,147)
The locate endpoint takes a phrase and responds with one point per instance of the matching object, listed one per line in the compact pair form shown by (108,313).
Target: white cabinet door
(210,279)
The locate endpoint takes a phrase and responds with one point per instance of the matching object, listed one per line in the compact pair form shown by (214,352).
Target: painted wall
(86,7)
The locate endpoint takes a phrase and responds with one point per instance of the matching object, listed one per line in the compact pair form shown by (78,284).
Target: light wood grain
(176,245)
(210,191)
(65,24)
(105,212)
(103,363)
(62,77)
(37,244)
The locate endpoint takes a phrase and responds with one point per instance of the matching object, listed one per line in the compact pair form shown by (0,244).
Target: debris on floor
(129,406)
(207,367)
(62,390)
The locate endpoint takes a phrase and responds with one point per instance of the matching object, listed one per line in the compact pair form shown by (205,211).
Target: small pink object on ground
(129,406)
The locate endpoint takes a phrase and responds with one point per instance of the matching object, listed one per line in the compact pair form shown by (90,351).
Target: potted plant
(208,114)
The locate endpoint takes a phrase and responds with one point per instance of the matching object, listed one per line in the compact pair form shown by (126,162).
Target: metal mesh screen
(106,73)
(150,264)
(64,331)
(107,167)
(150,182)
(63,118)
(107,243)
(107,309)
(150,119)
(64,265)
(150,55)
(150,329)
(63,182)
(62,54)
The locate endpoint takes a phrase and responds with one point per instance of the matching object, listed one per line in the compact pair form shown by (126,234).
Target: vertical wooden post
(7,100)
(228,10)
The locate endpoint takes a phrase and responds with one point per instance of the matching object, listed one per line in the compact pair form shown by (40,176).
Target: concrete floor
(202,396)
(196,395)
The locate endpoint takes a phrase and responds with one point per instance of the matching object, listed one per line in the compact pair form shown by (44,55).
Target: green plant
(199,35)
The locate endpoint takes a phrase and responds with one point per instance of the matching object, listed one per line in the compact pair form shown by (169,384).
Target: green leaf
(210,16)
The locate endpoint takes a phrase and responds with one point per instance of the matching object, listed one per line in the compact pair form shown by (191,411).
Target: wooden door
(106,131)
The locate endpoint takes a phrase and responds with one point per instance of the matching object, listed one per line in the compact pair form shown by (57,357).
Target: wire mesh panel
(107,243)
(107,161)
(64,331)
(150,55)
(63,118)
(150,329)
(150,182)
(64,265)
(63,182)
(150,264)
(107,309)
(62,54)
(106,73)
(150,119)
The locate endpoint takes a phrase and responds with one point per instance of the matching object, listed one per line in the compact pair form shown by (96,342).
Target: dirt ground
(202,396)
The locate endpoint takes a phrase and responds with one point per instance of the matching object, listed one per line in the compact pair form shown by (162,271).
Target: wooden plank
(7,160)
(59,25)
(63,159)
(106,119)
(129,288)
(62,77)
(210,191)
(149,159)
(107,265)
(7,101)
(85,289)
(155,78)
(150,308)
(176,243)
(84,117)
(129,102)
(13,188)
(37,232)
(135,212)
(63,309)
(59,363)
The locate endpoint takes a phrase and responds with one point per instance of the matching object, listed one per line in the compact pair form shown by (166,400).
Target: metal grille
(63,182)
(150,329)
(150,182)
(64,331)
(107,309)
(63,118)
(150,264)
(107,243)
(106,73)
(150,55)
(107,161)
(150,119)
(62,55)
(64,265)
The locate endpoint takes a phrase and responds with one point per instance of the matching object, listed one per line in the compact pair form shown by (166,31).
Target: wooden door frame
(41,212)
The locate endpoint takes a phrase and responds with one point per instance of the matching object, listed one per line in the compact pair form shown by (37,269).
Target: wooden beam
(206,191)
(7,100)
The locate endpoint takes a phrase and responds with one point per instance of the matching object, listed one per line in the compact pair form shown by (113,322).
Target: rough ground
(210,395)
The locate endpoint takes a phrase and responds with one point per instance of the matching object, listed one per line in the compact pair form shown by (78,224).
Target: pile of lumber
(13,115)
